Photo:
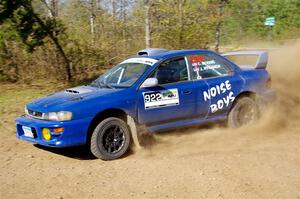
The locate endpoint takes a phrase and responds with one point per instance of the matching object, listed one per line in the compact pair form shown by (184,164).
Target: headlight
(58,116)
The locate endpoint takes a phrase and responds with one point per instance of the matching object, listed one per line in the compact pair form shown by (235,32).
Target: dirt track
(262,161)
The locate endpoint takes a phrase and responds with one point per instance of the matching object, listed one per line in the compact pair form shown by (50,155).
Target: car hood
(56,101)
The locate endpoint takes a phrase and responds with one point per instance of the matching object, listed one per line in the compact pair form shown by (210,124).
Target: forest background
(73,41)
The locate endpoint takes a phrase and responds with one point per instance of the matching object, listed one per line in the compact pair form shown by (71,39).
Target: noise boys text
(216,91)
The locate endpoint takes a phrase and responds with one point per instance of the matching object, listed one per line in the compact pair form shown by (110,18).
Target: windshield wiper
(103,85)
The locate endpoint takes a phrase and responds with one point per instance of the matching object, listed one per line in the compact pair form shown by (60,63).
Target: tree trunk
(58,46)
(217,36)
(12,57)
(113,8)
(52,8)
(219,24)
(123,15)
(148,39)
(181,3)
(92,19)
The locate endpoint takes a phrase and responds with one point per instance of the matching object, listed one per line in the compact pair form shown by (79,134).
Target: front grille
(34,132)
(35,114)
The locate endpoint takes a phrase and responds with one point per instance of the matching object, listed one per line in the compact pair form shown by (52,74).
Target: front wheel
(110,139)
(244,112)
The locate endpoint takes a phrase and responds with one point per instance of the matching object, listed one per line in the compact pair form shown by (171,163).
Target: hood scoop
(78,90)
(71,91)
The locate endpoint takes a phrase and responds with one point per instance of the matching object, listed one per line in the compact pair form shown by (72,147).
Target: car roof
(174,53)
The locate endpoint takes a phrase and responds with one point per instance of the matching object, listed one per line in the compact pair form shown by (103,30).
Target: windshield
(122,75)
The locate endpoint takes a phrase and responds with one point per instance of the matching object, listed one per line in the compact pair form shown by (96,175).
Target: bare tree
(181,3)
(220,6)
(12,57)
(52,6)
(113,7)
(92,19)
(148,38)
(123,16)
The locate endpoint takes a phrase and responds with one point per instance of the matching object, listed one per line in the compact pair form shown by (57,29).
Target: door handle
(186,92)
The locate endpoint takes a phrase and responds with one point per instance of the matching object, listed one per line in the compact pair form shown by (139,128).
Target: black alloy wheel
(110,139)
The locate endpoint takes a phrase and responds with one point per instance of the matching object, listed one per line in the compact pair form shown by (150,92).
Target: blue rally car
(158,90)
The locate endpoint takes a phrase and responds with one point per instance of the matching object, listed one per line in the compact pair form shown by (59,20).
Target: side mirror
(150,82)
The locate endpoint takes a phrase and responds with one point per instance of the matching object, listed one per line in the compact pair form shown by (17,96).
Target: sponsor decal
(224,87)
(197,59)
(199,65)
(148,61)
(209,65)
(196,62)
(161,98)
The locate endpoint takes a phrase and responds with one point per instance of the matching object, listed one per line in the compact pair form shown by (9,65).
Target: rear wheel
(244,112)
(110,139)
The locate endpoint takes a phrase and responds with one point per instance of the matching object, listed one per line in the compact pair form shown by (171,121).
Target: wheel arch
(250,94)
(112,112)
(231,120)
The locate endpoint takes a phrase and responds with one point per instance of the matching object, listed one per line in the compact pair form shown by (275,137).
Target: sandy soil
(261,161)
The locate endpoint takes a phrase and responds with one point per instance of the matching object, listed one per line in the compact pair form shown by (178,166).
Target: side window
(171,71)
(207,66)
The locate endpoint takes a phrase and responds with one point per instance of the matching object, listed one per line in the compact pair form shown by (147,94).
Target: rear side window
(207,66)
(171,71)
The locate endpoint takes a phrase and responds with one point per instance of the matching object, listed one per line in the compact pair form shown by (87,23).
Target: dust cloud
(259,161)
(282,117)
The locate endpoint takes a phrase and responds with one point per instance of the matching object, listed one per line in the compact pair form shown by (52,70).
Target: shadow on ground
(78,152)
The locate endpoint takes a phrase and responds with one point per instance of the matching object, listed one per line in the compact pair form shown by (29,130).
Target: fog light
(46,134)
(58,130)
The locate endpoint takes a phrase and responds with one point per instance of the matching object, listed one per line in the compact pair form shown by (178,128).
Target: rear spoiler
(262,59)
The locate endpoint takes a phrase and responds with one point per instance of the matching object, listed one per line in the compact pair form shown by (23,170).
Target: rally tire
(110,139)
(245,111)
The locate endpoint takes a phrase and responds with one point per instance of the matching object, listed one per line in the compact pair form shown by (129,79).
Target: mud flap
(134,131)
(265,99)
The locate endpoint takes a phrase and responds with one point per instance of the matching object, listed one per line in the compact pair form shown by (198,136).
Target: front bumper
(74,134)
